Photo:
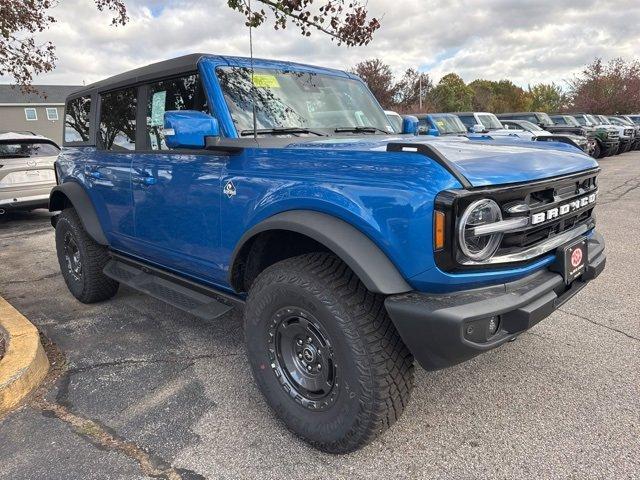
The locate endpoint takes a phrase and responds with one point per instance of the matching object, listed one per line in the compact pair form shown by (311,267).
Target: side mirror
(477,128)
(188,128)
(409,124)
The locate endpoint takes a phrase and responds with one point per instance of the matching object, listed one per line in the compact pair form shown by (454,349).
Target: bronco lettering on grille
(565,209)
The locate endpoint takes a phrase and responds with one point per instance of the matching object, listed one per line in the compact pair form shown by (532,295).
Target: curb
(25,362)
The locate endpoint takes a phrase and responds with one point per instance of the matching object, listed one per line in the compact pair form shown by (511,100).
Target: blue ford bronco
(212,182)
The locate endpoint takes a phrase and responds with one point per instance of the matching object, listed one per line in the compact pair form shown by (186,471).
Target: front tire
(82,260)
(597,151)
(325,353)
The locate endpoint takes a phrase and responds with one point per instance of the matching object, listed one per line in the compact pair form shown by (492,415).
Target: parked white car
(26,171)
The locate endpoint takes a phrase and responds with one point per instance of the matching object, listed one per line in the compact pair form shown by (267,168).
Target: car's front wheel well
(265,249)
(58,202)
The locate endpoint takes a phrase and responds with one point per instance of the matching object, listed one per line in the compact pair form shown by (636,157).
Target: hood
(481,162)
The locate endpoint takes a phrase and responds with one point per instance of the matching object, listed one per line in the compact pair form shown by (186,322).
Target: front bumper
(446,329)
(611,144)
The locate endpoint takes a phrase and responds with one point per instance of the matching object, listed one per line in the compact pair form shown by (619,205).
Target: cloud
(526,42)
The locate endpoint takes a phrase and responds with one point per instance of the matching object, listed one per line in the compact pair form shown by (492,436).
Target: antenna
(253,86)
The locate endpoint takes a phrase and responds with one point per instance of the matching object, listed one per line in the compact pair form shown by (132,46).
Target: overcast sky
(524,41)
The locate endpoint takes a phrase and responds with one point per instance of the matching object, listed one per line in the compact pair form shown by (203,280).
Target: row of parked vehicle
(598,135)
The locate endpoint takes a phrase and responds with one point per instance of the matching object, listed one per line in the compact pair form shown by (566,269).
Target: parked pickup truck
(567,123)
(625,133)
(213,182)
(607,137)
(630,129)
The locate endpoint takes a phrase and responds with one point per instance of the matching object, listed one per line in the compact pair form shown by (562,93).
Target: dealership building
(40,112)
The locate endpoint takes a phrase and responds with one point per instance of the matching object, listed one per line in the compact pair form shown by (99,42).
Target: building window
(30,114)
(52,114)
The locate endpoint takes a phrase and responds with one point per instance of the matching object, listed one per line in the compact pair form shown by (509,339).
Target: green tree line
(605,88)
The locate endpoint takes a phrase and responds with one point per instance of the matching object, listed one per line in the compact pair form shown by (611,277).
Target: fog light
(494,324)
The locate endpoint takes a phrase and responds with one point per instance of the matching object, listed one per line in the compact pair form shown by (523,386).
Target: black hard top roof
(174,66)
(148,72)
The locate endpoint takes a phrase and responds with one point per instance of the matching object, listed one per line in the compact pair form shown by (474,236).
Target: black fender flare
(74,194)
(359,252)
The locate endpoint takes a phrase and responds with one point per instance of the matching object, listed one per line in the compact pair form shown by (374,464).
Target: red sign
(576,257)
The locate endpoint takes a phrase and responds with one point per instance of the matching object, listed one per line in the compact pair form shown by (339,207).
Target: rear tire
(82,260)
(325,353)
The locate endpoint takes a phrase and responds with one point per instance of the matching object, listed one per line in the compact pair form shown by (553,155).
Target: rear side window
(183,93)
(76,120)
(27,149)
(118,120)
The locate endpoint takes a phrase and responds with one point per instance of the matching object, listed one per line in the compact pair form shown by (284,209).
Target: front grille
(557,211)
(614,135)
(548,197)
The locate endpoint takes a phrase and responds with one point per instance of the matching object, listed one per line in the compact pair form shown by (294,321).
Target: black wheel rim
(72,256)
(303,358)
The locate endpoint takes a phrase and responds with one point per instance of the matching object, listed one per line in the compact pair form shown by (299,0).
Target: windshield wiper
(359,129)
(282,130)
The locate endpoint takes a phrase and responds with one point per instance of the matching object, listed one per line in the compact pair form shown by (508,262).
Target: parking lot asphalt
(148,391)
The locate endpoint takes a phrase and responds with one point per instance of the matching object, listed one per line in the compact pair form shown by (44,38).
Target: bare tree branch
(345,21)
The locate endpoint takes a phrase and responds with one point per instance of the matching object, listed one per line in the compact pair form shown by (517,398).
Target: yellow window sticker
(261,80)
(440,123)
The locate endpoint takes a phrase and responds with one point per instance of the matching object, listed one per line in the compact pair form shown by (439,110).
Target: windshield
(603,120)
(545,119)
(635,119)
(448,124)
(622,120)
(395,120)
(581,120)
(27,149)
(526,125)
(571,121)
(295,99)
(490,121)
(593,120)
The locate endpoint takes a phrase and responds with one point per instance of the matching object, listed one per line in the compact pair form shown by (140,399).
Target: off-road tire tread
(97,286)
(385,359)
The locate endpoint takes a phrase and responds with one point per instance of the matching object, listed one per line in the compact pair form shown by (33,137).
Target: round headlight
(479,247)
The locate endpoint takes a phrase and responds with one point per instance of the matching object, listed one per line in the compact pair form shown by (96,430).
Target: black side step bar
(193,298)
